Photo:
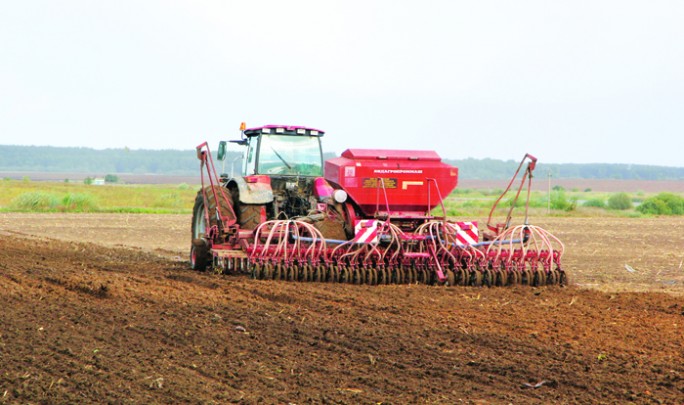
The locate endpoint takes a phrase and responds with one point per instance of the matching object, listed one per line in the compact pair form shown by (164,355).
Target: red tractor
(364,217)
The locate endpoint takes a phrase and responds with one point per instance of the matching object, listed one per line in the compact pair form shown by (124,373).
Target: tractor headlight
(340,196)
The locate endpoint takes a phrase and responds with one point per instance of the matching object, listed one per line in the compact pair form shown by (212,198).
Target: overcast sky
(568,81)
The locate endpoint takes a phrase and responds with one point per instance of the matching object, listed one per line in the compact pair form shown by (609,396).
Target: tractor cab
(280,150)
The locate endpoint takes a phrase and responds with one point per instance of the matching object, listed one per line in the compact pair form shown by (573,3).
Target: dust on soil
(85,322)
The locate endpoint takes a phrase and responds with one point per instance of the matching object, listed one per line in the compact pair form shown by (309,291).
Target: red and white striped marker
(466,233)
(366,231)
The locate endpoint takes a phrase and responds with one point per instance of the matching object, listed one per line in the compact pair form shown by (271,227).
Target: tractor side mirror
(221,154)
(241,142)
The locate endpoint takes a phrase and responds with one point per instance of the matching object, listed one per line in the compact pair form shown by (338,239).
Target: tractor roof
(283,129)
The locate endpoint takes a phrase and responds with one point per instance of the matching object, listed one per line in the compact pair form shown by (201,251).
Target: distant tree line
(491,169)
(87,160)
(184,162)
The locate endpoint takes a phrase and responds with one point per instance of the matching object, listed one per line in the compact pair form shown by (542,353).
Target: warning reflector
(366,231)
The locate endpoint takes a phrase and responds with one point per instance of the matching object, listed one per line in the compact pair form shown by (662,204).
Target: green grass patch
(35,202)
(663,204)
(30,196)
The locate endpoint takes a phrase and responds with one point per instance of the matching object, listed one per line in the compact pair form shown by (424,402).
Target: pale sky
(568,81)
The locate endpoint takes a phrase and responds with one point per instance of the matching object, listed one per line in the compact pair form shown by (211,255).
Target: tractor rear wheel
(250,215)
(200,255)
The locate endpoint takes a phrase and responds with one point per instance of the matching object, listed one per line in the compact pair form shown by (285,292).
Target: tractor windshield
(290,155)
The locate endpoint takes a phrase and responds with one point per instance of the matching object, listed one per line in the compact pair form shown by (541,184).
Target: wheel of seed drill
(501,278)
(408,274)
(373,276)
(419,275)
(451,278)
(528,277)
(398,274)
(380,276)
(552,278)
(518,277)
(412,275)
(487,278)
(395,275)
(429,277)
(355,276)
(267,271)
(541,277)
(387,276)
(523,277)
(476,278)
(535,278)
(496,277)
(563,278)
(325,272)
(363,275)
(256,272)
(277,272)
(304,272)
(507,278)
(343,274)
(333,274)
(461,277)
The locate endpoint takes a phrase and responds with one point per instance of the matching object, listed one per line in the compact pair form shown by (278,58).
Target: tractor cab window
(290,155)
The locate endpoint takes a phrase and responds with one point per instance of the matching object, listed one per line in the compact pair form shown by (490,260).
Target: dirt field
(102,308)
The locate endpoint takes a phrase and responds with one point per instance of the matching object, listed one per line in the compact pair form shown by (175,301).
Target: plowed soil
(103,308)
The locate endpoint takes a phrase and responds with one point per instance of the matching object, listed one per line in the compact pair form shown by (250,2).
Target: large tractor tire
(200,255)
(249,215)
